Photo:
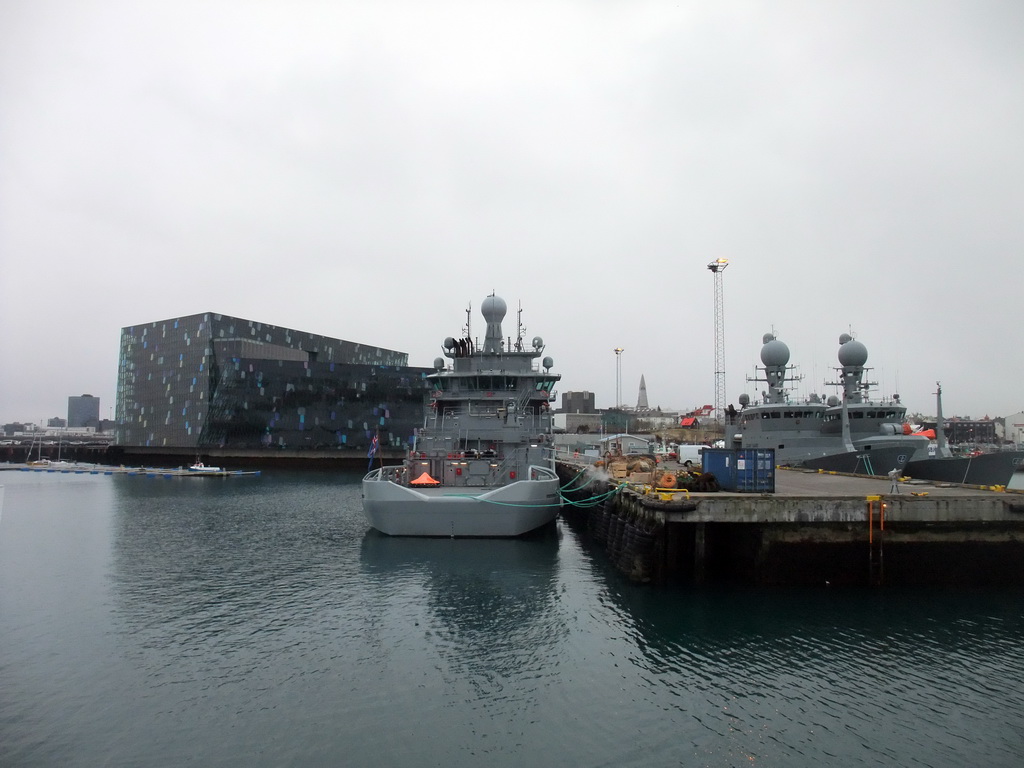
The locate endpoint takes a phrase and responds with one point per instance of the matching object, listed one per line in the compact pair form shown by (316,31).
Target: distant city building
(970,431)
(578,402)
(57,422)
(215,380)
(577,423)
(83,411)
(1015,428)
(960,430)
(655,419)
(614,421)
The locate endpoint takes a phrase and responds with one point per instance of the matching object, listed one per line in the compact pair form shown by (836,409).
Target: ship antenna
(469,319)
(519,328)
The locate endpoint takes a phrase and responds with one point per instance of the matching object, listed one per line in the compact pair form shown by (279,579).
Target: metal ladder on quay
(876,562)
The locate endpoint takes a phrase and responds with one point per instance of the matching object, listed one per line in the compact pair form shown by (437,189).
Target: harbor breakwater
(818,529)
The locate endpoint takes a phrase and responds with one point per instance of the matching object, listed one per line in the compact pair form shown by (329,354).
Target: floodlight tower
(618,377)
(718,267)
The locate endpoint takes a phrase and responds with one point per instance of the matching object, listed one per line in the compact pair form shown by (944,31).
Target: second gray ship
(850,433)
(987,469)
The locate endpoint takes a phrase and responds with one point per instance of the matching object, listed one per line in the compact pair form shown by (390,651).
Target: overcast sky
(365,170)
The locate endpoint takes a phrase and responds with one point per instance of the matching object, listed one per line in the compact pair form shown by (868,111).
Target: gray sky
(366,169)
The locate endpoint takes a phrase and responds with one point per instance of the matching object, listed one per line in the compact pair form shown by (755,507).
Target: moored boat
(994,468)
(483,464)
(852,434)
(877,428)
(200,468)
(791,428)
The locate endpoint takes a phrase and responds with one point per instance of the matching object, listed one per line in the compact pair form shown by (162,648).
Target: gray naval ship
(877,429)
(847,434)
(996,468)
(483,464)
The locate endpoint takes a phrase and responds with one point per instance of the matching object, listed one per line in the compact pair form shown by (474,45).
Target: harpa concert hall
(222,385)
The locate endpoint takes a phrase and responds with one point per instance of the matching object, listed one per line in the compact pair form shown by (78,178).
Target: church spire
(641,400)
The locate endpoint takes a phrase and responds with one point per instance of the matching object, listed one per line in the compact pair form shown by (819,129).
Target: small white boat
(201,468)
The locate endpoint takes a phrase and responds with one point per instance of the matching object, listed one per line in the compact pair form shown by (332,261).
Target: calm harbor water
(257,622)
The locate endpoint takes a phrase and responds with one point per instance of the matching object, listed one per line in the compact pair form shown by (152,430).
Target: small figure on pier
(894,476)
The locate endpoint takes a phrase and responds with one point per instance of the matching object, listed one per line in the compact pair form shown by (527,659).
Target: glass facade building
(219,381)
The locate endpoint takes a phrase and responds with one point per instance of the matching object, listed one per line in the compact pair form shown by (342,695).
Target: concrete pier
(816,529)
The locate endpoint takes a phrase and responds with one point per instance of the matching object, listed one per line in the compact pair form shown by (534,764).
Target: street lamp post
(618,377)
(717,267)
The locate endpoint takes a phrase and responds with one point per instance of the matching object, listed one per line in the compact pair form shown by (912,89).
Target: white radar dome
(853,353)
(774,353)
(494,309)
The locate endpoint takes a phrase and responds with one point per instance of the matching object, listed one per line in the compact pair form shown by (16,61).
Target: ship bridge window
(857,415)
(776,414)
(492,383)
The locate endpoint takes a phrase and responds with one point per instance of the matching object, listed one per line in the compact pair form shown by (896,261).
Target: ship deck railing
(434,464)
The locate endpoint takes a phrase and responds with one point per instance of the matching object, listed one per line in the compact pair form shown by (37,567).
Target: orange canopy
(929,433)
(424,479)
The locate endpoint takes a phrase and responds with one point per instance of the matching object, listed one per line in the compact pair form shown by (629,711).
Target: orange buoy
(668,480)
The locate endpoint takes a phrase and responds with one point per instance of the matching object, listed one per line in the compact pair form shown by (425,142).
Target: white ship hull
(506,511)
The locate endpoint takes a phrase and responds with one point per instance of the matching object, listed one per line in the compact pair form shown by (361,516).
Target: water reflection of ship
(484,558)
(477,590)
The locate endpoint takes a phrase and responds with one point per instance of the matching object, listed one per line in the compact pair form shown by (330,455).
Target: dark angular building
(578,402)
(83,411)
(211,380)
